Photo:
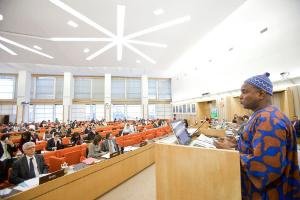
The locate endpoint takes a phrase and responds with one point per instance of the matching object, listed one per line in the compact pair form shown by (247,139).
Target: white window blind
(159,111)
(118,112)
(59,87)
(43,112)
(152,89)
(164,89)
(7,87)
(98,88)
(133,88)
(118,88)
(99,111)
(82,88)
(45,87)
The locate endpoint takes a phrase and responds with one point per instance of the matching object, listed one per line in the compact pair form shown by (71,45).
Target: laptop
(51,176)
(181,133)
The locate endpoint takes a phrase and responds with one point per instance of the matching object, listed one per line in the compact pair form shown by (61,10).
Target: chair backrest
(55,163)
(73,157)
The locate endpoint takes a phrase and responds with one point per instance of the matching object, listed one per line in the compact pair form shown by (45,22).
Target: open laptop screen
(180,132)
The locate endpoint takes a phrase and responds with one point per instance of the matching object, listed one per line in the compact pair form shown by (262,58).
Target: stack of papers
(203,141)
(5,191)
(28,184)
(130,148)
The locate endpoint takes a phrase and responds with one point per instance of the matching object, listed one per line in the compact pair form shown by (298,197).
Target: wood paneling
(184,172)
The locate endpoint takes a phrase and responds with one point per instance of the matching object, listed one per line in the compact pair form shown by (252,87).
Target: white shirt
(111,146)
(36,171)
(6,154)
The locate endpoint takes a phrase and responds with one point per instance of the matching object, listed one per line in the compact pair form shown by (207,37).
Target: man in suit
(54,143)
(7,148)
(109,144)
(29,166)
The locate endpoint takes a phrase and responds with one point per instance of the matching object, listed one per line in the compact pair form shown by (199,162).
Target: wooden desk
(213,132)
(184,172)
(93,181)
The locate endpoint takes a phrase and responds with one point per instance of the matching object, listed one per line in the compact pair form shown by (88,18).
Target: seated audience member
(54,143)
(234,120)
(296,125)
(109,144)
(76,139)
(47,136)
(127,129)
(241,124)
(185,123)
(28,166)
(26,137)
(7,148)
(91,135)
(95,148)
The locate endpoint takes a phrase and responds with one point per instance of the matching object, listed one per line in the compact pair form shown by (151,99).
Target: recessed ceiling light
(86,50)
(37,47)
(158,11)
(1,17)
(138,61)
(73,24)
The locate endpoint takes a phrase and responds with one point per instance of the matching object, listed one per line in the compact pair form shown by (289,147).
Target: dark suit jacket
(297,127)
(51,143)
(20,169)
(10,150)
(105,146)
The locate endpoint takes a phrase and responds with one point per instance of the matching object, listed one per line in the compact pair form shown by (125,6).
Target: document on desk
(5,191)
(203,141)
(28,184)
(106,156)
(130,148)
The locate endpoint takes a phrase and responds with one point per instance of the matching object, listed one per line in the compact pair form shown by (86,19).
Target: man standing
(6,155)
(29,166)
(268,147)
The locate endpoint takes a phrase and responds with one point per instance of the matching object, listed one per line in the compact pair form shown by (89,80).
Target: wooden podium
(185,172)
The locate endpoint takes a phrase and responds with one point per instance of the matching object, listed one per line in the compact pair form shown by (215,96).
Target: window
(7,87)
(43,112)
(45,88)
(59,88)
(184,108)
(100,111)
(98,88)
(118,112)
(188,108)
(58,115)
(10,110)
(133,112)
(161,111)
(193,108)
(133,88)
(159,89)
(82,88)
(152,89)
(118,88)
(164,89)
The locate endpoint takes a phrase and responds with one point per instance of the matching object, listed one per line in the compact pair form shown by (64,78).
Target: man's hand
(228,142)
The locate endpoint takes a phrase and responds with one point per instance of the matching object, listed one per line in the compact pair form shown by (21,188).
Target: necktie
(31,168)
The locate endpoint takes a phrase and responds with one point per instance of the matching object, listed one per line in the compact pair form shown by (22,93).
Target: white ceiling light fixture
(7,50)
(24,47)
(72,24)
(80,16)
(37,47)
(120,30)
(86,50)
(118,39)
(138,61)
(1,17)
(56,39)
(158,11)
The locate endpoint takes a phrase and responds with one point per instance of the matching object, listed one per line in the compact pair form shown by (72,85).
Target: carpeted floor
(141,186)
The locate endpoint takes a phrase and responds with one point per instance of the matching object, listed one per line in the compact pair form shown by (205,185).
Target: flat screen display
(181,132)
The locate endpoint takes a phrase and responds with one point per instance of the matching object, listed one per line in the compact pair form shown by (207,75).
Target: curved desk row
(95,180)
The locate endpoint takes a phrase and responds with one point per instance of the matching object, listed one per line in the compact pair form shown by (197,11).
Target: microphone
(196,131)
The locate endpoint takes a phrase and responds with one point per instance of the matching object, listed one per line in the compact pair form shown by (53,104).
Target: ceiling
(35,22)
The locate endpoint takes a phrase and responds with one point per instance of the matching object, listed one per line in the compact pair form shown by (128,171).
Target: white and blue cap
(262,82)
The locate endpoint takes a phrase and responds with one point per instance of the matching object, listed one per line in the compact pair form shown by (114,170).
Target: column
(68,95)
(107,97)
(23,96)
(145,96)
